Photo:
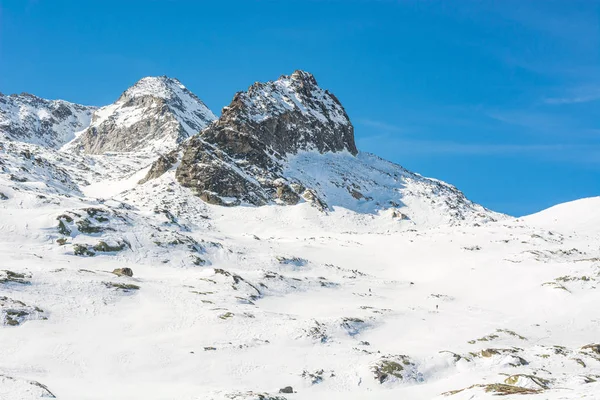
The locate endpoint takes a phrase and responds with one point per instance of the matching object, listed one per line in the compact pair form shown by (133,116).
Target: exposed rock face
(240,156)
(155,114)
(48,123)
(160,166)
(290,141)
(287,115)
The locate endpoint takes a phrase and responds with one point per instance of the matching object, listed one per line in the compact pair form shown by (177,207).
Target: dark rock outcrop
(239,158)
(164,163)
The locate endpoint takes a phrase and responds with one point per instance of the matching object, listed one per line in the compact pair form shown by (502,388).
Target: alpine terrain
(152,250)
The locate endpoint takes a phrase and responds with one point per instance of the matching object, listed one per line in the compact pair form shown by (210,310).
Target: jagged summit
(288,141)
(155,114)
(50,123)
(242,154)
(290,114)
(157,86)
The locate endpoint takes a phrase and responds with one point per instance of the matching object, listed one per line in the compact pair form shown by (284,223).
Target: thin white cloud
(578,153)
(575,96)
(384,126)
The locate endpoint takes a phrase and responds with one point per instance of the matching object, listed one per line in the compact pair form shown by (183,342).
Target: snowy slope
(342,305)
(368,184)
(153,115)
(574,215)
(49,123)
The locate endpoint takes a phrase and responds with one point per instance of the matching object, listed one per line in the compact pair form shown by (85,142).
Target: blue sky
(499,98)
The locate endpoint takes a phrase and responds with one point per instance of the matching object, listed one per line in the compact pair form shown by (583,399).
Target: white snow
(32,117)
(574,215)
(282,95)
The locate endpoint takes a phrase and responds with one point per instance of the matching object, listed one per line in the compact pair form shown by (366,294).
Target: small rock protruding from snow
(123,272)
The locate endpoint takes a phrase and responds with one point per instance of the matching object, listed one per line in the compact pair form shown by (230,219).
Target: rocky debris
(125,287)
(318,332)
(399,215)
(313,198)
(163,163)
(104,247)
(525,380)
(499,389)
(48,123)
(396,368)
(10,384)
(556,285)
(286,390)
(514,359)
(15,312)
(101,247)
(296,261)
(353,326)
(7,277)
(3,196)
(97,221)
(592,350)
(226,315)
(34,169)
(83,250)
(123,272)
(317,377)
(238,281)
(286,194)
(155,114)
(494,336)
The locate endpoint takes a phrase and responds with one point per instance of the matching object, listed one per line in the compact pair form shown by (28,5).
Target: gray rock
(155,114)
(160,166)
(123,272)
(241,155)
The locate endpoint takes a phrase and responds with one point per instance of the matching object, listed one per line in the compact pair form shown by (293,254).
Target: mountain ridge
(280,142)
(50,123)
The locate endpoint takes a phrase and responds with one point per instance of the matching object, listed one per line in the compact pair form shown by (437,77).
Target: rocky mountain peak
(289,115)
(156,86)
(301,76)
(155,114)
(243,154)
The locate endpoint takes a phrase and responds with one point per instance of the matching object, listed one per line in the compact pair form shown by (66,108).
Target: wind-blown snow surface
(369,184)
(236,303)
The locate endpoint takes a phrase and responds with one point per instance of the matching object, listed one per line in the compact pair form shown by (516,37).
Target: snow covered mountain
(155,115)
(333,274)
(289,141)
(49,123)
